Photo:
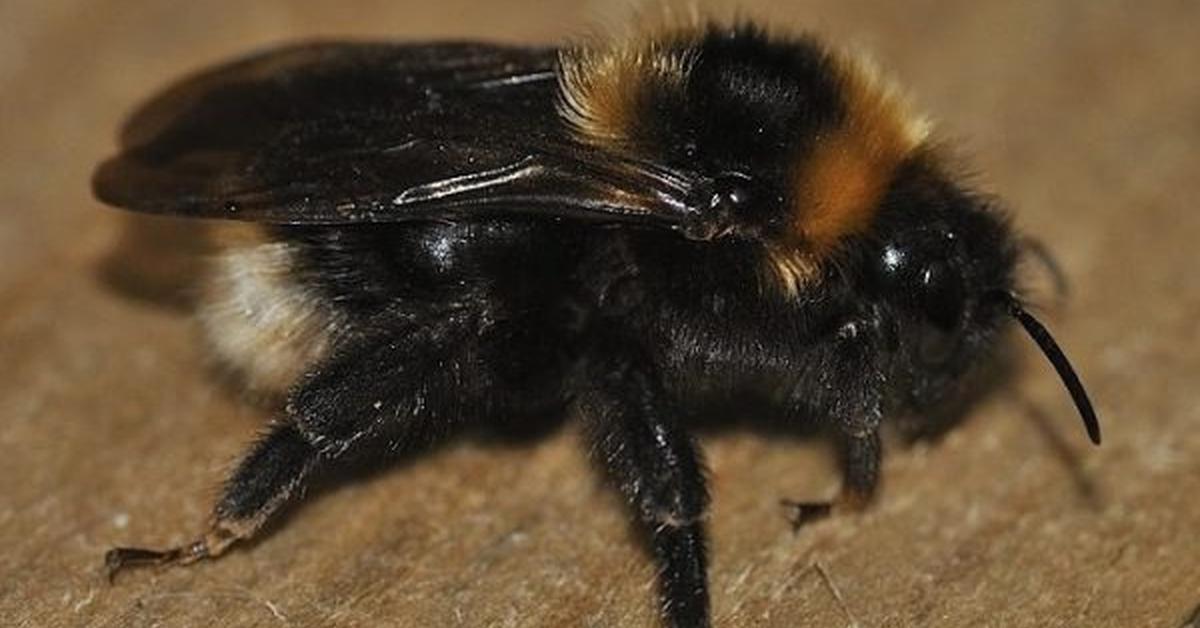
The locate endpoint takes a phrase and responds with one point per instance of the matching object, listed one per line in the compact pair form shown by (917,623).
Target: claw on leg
(210,545)
(860,459)
(801,514)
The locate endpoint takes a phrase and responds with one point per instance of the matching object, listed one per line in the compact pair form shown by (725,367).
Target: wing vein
(469,182)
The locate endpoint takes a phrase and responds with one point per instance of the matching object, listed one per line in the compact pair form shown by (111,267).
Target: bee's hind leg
(263,481)
(377,390)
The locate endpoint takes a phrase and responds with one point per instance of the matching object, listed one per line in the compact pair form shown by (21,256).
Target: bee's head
(941,262)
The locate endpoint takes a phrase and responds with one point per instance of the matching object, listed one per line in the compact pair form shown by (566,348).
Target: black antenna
(1045,341)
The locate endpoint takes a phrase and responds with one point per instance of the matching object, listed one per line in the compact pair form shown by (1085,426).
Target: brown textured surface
(1086,116)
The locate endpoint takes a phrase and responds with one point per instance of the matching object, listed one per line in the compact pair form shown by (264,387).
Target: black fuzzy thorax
(747,100)
(750,94)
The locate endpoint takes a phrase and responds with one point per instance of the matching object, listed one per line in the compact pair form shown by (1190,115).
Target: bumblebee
(648,231)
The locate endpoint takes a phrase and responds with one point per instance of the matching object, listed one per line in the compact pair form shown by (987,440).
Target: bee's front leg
(847,386)
(861,457)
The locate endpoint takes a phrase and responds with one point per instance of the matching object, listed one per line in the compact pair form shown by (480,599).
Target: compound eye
(943,296)
(731,193)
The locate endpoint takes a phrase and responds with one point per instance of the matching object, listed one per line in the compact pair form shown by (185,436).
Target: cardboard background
(1084,115)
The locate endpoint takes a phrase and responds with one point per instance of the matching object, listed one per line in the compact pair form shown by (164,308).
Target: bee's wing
(345,133)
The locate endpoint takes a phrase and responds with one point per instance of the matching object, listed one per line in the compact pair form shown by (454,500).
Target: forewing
(339,133)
